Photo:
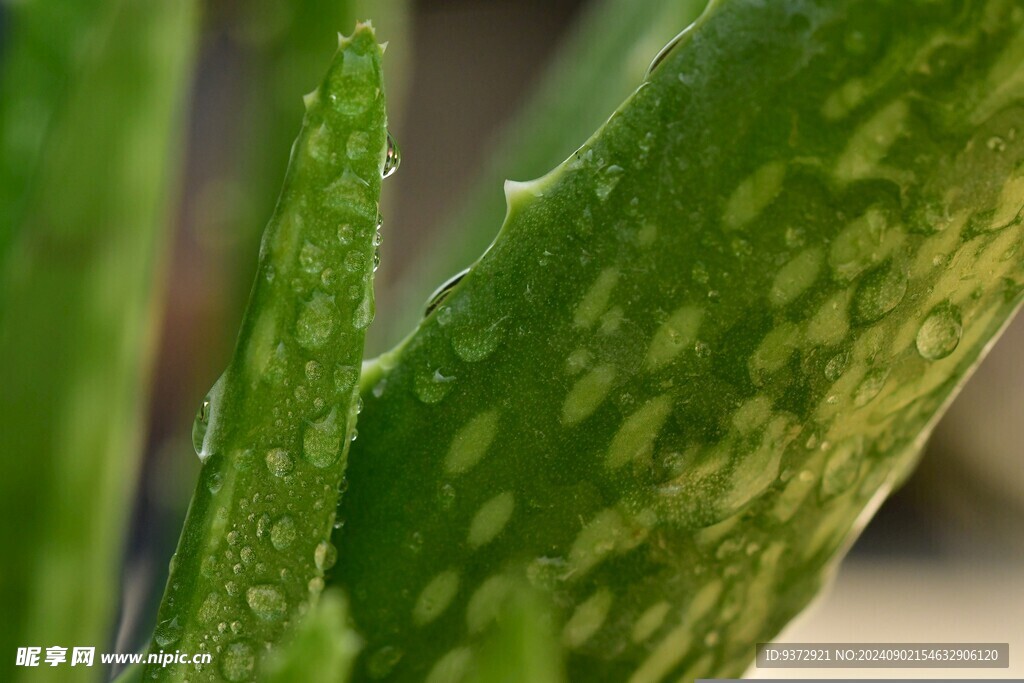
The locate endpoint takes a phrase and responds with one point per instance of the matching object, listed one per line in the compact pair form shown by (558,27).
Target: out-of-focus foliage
(91,149)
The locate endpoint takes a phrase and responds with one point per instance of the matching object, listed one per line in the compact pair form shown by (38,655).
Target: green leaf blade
(688,370)
(275,430)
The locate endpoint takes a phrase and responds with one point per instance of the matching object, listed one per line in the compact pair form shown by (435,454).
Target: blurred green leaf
(522,645)
(703,349)
(595,69)
(322,647)
(77,286)
(43,49)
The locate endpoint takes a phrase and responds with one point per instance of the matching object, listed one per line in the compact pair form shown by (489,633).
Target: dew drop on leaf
(939,334)
(325,555)
(282,533)
(321,442)
(167,632)
(392,158)
(279,462)
(267,602)
(238,662)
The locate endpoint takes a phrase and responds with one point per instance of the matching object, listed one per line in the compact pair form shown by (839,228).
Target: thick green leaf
(322,648)
(703,349)
(596,68)
(275,429)
(77,285)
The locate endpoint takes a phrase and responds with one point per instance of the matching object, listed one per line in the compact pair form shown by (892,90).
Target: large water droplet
(316,321)
(325,555)
(940,332)
(282,533)
(279,462)
(473,343)
(431,387)
(321,442)
(267,602)
(441,293)
(238,661)
(363,316)
(199,426)
(879,293)
(392,158)
(167,632)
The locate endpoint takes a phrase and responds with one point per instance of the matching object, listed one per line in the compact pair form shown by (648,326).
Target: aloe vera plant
(636,437)
(275,429)
(703,349)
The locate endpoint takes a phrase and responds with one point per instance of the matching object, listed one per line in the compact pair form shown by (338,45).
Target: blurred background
(472,87)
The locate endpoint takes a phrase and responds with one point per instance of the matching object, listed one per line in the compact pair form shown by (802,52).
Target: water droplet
(842,467)
(325,555)
(345,233)
(432,387)
(607,179)
(354,261)
(167,632)
(345,377)
(376,258)
(199,426)
(316,585)
(392,158)
(236,627)
(311,258)
(214,482)
(365,312)
(940,332)
(315,323)
(836,366)
(879,293)
(267,602)
(442,292)
(870,386)
(313,371)
(210,607)
(279,462)
(232,538)
(321,442)
(354,435)
(247,555)
(473,343)
(237,662)
(282,533)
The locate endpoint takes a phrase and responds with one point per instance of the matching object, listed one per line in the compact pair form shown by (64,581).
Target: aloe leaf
(522,645)
(598,66)
(76,317)
(322,647)
(703,349)
(287,46)
(274,431)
